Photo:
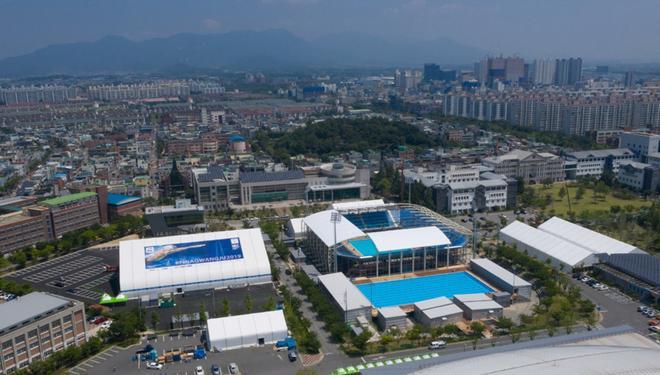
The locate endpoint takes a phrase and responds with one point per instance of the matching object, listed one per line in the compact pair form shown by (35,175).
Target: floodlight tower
(475,232)
(335,217)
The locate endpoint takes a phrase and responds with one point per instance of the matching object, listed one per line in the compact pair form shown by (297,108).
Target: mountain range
(269,49)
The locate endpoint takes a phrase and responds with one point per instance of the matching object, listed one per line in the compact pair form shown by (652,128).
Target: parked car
(216,370)
(233,369)
(654,322)
(603,287)
(655,329)
(650,313)
(437,344)
(154,366)
(106,324)
(292,356)
(199,370)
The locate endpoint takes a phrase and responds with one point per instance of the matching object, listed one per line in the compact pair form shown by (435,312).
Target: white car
(154,366)
(603,287)
(106,324)
(437,344)
(199,370)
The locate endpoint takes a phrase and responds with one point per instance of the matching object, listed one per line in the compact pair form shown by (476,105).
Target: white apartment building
(594,162)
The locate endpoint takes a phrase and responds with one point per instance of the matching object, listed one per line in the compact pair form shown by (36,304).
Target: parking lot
(263,360)
(80,275)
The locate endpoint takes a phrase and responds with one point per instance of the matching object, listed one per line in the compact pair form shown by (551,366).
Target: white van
(437,345)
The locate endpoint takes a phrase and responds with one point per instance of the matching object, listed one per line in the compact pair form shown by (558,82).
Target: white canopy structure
(243,331)
(152,266)
(544,246)
(320,223)
(411,238)
(358,205)
(593,241)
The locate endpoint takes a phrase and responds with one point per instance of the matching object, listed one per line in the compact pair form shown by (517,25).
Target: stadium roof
(251,177)
(344,206)
(344,292)
(410,238)
(27,307)
(645,267)
(321,225)
(119,199)
(207,266)
(553,246)
(67,198)
(586,238)
(499,272)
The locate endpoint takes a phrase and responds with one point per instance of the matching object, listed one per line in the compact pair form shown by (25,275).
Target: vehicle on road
(292,356)
(154,366)
(654,322)
(199,370)
(655,329)
(437,344)
(216,370)
(233,369)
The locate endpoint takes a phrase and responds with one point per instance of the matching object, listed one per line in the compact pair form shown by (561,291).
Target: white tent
(593,241)
(151,266)
(243,331)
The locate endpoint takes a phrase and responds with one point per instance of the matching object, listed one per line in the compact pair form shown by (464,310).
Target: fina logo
(149,250)
(235,244)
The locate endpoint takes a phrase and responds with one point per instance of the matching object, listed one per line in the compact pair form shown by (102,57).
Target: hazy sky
(594,29)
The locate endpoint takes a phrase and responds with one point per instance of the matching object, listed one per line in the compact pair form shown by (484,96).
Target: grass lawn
(588,201)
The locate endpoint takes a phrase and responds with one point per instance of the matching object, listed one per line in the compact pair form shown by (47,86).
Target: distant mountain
(236,49)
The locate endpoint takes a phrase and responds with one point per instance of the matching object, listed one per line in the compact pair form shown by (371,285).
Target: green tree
(248,303)
(579,193)
(477,328)
(202,313)
(226,309)
(155,319)
(360,341)
(562,193)
(270,304)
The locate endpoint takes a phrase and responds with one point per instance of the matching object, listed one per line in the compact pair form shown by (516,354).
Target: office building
(35,326)
(532,167)
(73,211)
(640,143)
(182,217)
(25,227)
(593,163)
(461,197)
(639,176)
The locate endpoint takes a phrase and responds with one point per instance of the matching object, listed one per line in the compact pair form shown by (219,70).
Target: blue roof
(236,138)
(119,199)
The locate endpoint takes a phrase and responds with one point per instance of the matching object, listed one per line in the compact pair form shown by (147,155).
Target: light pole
(335,218)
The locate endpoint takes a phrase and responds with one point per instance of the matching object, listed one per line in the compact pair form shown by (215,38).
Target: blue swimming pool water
(408,291)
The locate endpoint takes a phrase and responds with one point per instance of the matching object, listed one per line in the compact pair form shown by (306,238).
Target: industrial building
(345,296)
(478,306)
(499,277)
(437,312)
(391,316)
(562,254)
(176,264)
(35,326)
(244,331)
(637,274)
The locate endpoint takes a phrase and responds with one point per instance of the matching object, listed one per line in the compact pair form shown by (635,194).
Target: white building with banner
(154,266)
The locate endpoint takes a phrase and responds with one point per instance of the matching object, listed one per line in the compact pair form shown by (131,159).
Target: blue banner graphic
(189,253)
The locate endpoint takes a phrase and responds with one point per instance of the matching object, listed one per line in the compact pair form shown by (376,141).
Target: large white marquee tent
(243,331)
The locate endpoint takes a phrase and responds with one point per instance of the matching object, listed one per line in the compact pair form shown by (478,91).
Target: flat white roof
(499,272)
(298,225)
(593,241)
(551,245)
(320,224)
(245,330)
(478,301)
(344,292)
(411,238)
(391,312)
(440,311)
(235,257)
(343,206)
(433,302)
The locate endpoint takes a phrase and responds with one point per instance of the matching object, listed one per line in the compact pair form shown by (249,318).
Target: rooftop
(345,293)
(64,199)
(271,176)
(600,153)
(119,199)
(641,266)
(28,307)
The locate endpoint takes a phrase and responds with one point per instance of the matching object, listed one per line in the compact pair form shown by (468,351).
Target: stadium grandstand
(373,238)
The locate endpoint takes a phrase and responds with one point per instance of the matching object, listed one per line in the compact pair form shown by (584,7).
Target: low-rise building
(345,296)
(437,311)
(73,211)
(640,143)
(391,316)
(532,167)
(478,306)
(25,227)
(499,277)
(121,205)
(594,163)
(181,218)
(638,274)
(639,176)
(35,326)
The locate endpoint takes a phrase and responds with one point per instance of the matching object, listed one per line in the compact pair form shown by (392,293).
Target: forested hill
(334,136)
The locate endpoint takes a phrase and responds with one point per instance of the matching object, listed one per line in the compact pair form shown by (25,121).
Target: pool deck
(435,271)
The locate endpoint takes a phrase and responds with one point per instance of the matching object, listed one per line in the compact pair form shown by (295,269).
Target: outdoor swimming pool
(408,291)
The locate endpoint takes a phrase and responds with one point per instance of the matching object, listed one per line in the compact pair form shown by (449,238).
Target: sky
(621,30)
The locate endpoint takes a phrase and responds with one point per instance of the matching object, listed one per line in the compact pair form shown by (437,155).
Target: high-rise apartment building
(568,72)
(544,72)
(510,69)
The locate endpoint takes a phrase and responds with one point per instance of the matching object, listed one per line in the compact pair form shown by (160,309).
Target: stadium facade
(372,239)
